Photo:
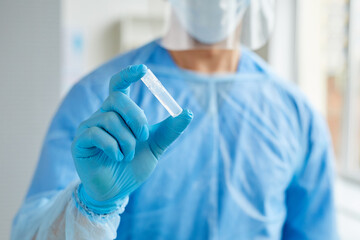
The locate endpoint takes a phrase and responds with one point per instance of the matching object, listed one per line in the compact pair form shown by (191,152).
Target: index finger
(123,79)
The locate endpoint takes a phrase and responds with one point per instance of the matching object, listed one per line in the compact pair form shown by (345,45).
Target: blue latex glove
(115,150)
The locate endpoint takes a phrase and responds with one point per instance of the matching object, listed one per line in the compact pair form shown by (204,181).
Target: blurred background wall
(46,46)
(29,93)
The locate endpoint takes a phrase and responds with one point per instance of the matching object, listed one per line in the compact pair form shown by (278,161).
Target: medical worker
(250,159)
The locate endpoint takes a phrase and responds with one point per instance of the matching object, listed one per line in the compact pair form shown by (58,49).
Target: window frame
(350,167)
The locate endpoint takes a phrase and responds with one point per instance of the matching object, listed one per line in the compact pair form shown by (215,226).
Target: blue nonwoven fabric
(255,163)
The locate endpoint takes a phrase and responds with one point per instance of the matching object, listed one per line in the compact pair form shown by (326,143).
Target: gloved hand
(115,150)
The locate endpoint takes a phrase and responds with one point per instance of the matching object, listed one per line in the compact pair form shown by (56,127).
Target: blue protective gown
(256,162)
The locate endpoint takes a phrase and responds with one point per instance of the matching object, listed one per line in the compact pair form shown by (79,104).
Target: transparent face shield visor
(220,24)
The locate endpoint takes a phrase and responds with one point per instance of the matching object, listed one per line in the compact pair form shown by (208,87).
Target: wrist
(99,207)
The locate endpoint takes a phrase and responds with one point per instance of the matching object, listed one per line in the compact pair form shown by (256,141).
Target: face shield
(222,24)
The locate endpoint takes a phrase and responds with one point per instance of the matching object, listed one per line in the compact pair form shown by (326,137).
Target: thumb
(167,131)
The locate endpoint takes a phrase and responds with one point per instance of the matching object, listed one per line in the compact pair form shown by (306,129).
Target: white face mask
(210,21)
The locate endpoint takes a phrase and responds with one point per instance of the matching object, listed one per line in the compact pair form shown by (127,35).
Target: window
(343,77)
(322,42)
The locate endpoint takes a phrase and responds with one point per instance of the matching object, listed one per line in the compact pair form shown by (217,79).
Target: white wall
(29,93)
(98,26)
(347,196)
(311,40)
(99,23)
(282,51)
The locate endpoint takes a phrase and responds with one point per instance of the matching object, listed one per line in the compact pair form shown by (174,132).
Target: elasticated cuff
(94,207)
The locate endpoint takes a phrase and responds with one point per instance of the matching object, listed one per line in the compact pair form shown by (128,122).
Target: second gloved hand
(115,150)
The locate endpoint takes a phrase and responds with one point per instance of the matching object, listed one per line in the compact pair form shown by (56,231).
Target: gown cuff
(98,208)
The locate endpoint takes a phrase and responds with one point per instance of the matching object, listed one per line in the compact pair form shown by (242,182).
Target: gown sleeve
(51,209)
(309,198)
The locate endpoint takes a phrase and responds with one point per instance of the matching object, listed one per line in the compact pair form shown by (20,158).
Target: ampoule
(158,90)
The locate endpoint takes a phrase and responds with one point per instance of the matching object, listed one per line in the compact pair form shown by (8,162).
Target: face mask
(210,21)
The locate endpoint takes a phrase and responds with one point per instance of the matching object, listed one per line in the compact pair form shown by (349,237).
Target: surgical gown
(255,163)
